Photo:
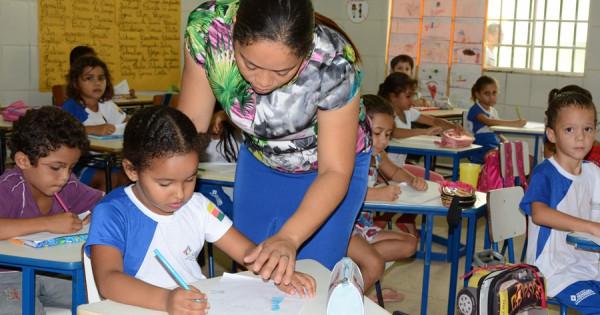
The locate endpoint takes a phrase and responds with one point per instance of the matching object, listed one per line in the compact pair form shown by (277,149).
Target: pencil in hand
(61,202)
(174,273)
(518,113)
(383,177)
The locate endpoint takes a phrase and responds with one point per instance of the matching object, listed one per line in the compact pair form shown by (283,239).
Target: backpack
(499,289)
(14,111)
(490,177)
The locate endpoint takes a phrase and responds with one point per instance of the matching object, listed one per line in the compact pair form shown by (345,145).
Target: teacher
(286,76)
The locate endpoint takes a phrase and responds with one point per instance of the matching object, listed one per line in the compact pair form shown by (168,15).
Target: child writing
(90,91)
(45,145)
(482,115)
(398,89)
(161,150)
(562,197)
(370,246)
(405,64)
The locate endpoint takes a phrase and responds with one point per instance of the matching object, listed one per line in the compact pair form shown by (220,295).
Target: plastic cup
(469,173)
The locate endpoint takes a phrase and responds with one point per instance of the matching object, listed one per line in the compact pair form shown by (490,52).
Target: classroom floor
(407,276)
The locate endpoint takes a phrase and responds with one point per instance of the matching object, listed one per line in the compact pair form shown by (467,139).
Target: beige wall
(19,56)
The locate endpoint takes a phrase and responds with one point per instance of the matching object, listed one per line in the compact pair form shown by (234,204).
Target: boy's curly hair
(44,130)
(158,132)
(73,90)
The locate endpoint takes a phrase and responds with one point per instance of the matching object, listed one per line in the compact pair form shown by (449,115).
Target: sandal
(389,295)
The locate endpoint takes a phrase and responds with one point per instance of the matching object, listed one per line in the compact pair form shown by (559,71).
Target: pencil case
(346,289)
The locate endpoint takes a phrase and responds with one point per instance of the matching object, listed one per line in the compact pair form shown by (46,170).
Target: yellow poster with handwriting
(139,40)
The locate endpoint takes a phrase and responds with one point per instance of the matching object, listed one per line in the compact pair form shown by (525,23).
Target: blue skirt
(264,199)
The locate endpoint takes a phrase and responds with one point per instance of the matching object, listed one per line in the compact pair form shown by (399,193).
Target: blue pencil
(173,272)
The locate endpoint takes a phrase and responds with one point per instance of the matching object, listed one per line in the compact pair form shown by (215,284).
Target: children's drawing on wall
(436,28)
(405,26)
(438,7)
(432,80)
(460,97)
(467,53)
(464,75)
(470,8)
(468,31)
(403,44)
(435,51)
(406,8)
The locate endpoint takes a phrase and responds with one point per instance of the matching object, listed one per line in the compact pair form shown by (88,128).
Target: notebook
(45,239)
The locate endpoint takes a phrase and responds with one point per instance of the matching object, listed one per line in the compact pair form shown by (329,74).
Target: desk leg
(28,291)
(107,170)
(427,166)
(454,266)
(535,152)
(427,266)
(78,290)
(471,237)
(455,169)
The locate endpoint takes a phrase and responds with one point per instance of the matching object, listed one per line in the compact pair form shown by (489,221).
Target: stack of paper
(414,197)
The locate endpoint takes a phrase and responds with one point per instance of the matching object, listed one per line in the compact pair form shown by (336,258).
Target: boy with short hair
(46,143)
(406,64)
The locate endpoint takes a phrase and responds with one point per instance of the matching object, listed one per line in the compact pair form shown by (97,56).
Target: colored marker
(173,272)
(61,202)
(518,113)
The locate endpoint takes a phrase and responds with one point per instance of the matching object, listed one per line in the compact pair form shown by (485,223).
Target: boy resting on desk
(161,150)
(46,143)
(563,196)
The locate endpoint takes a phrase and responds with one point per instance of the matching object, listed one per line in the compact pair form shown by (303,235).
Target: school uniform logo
(215,211)
(581,295)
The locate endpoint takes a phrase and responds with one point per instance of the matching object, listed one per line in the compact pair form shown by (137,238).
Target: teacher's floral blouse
(280,128)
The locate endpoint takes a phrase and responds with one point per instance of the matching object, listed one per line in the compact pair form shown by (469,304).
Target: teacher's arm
(337,151)
(196,100)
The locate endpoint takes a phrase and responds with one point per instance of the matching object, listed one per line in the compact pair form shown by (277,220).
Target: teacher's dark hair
(290,22)
(158,132)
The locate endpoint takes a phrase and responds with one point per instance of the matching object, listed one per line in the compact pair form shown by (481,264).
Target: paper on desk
(588,236)
(122,88)
(237,294)
(428,141)
(117,134)
(414,197)
(217,167)
(534,125)
(43,239)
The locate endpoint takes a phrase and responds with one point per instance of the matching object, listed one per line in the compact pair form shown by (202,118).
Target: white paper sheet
(122,88)
(237,294)
(218,167)
(411,196)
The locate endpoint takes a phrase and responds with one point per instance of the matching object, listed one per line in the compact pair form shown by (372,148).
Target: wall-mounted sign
(357,10)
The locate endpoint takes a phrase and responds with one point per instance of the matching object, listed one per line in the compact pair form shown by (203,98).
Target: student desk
(581,240)
(112,147)
(316,305)
(65,259)
(130,105)
(454,115)
(5,127)
(424,145)
(429,210)
(535,129)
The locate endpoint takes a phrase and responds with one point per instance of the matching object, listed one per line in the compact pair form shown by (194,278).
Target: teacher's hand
(275,258)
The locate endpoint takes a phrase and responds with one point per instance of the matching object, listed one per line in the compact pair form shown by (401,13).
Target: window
(537,35)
